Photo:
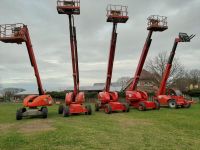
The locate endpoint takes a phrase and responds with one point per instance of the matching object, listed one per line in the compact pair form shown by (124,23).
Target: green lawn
(164,129)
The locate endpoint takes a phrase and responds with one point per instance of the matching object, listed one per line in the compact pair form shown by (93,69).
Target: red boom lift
(172,98)
(73,100)
(136,98)
(108,100)
(18,33)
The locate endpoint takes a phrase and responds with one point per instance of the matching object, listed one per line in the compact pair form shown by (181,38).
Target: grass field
(164,129)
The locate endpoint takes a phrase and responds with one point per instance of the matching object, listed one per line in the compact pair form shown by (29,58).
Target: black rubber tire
(23,109)
(89,109)
(127,108)
(19,114)
(97,106)
(157,105)
(60,109)
(44,112)
(66,112)
(188,105)
(172,104)
(142,106)
(108,109)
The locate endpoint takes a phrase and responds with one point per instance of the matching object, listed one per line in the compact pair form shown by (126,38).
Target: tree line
(186,80)
(180,77)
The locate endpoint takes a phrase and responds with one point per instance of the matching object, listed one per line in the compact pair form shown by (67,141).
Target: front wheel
(66,112)
(19,114)
(172,104)
(60,109)
(108,109)
(44,112)
(126,105)
(142,106)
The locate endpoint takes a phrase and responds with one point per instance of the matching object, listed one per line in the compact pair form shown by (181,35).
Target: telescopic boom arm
(141,62)
(33,60)
(183,37)
(74,54)
(111,57)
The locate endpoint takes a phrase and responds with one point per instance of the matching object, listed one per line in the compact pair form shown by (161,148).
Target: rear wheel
(126,105)
(187,105)
(172,104)
(66,111)
(19,114)
(60,109)
(142,106)
(157,105)
(97,106)
(89,109)
(108,109)
(44,112)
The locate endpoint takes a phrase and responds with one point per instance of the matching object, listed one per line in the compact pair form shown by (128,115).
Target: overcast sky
(50,38)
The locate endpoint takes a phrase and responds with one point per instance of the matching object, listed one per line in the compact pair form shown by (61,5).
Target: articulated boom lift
(136,98)
(108,100)
(18,33)
(172,98)
(73,100)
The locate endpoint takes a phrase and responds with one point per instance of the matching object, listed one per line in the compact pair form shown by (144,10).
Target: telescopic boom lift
(137,98)
(170,97)
(19,33)
(73,100)
(107,99)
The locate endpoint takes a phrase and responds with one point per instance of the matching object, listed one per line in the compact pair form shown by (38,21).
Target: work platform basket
(12,33)
(117,13)
(157,23)
(68,7)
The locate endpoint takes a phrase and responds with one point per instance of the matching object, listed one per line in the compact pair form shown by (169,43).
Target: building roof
(27,93)
(113,84)
(97,87)
(145,75)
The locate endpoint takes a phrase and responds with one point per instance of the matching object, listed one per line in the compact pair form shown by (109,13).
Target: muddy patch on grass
(36,126)
(4,128)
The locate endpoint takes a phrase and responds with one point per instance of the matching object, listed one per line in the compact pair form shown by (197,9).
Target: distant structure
(21,95)
(194,86)
(145,82)
(97,87)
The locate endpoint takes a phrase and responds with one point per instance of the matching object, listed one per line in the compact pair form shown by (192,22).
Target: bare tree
(8,93)
(157,66)
(194,76)
(181,83)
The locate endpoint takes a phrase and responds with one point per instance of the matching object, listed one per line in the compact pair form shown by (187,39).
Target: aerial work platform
(117,13)
(68,7)
(157,23)
(12,33)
